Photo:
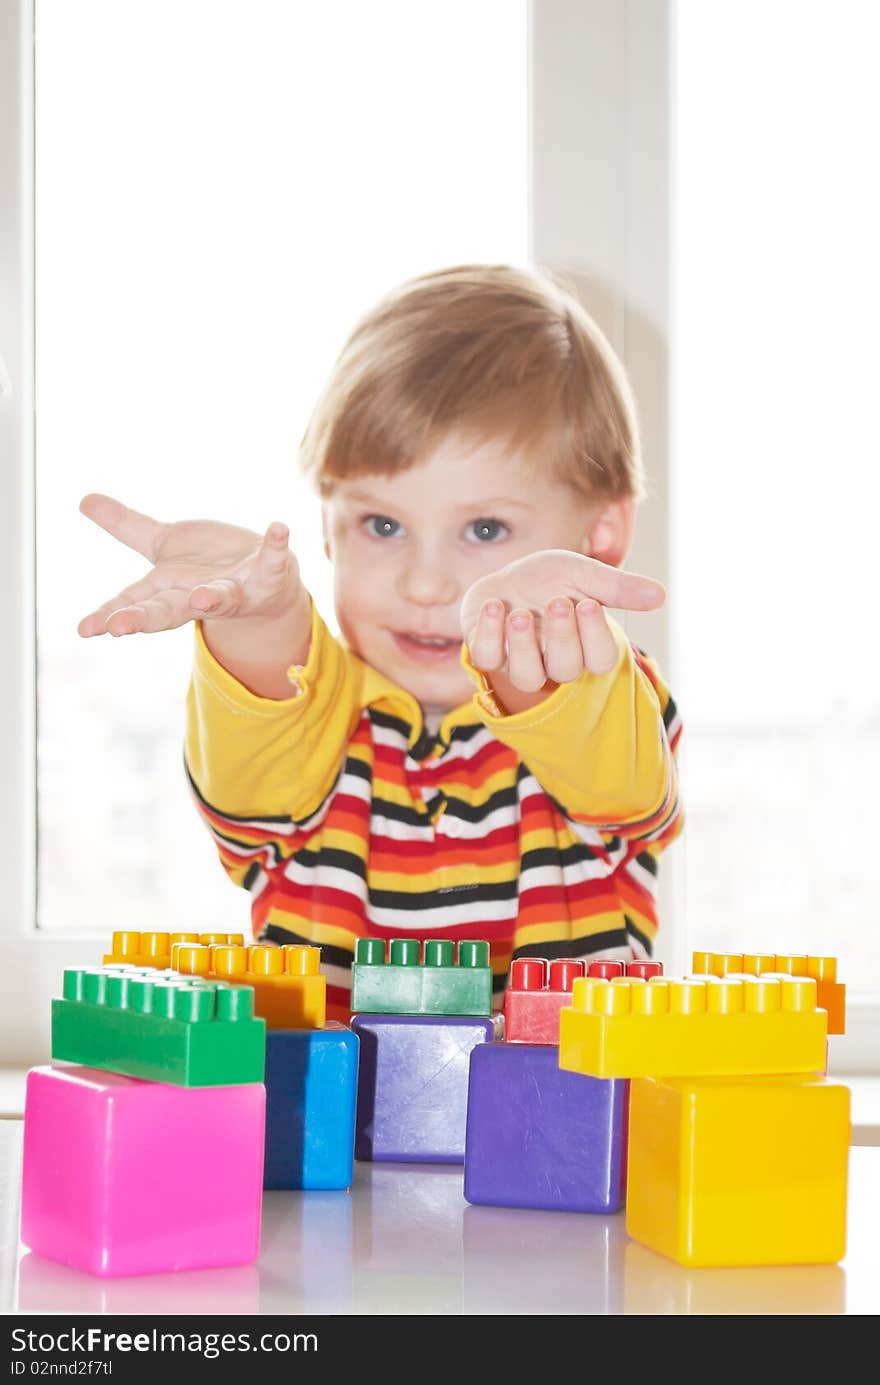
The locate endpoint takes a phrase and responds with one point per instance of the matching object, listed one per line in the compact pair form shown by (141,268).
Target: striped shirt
(344,818)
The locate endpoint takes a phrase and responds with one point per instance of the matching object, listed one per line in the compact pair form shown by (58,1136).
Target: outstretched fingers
(571,639)
(509,642)
(599,645)
(166,610)
(525,664)
(223,597)
(270,566)
(140,532)
(272,555)
(629,591)
(262,577)
(486,642)
(613,586)
(95,623)
(563,655)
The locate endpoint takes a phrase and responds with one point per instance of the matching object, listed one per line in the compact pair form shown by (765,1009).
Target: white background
(221,190)
(776,473)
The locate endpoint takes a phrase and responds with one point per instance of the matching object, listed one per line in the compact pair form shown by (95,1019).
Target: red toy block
(607,969)
(536,993)
(538,989)
(644,969)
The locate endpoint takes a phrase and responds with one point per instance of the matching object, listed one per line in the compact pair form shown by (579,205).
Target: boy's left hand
(541,618)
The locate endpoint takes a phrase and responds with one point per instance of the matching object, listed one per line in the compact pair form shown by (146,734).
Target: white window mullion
(17,718)
(30,966)
(600,216)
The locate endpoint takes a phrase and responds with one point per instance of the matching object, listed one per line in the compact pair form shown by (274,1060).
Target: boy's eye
(487,530)
(382,526)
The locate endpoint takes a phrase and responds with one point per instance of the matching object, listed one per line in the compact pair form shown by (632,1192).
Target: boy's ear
(324,532)
(608,532)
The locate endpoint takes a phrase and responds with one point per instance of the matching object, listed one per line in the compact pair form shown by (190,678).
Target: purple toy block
(412,1085)
(541,1137)
(123,1176)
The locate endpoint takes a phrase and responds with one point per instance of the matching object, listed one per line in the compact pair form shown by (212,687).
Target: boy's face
(405,549)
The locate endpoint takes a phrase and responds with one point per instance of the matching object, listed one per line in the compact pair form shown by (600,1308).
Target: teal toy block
(165,1028)
(441,983)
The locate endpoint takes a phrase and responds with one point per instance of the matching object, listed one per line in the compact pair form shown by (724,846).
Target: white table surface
(404,1241)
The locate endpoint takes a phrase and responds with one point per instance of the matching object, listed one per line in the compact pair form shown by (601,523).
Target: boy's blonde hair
(490,351)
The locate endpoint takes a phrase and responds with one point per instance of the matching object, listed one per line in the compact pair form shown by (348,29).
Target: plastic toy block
(609,968)
(693,1027)
(606,967)
(739,1170)
(538,989)
(540,1137)
(311,1089)
(122,1177)
(444,983)
(644,970)
(154,949)
(536,992)
(289,990)
(164,1028)
(830,993)
(413,1083)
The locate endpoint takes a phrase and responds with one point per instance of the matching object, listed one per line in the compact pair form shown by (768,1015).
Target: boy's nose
(427,582)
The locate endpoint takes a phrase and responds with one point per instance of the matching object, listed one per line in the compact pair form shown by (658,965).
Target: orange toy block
(830,993)
(133,949)
(289,990)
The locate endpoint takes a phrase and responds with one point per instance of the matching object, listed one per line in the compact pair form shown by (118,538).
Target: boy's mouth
(426,649)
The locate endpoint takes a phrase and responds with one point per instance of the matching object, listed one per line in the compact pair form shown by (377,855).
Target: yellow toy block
(289,990)
(154,949)
(739,1170)
(830,993)
(693,1027)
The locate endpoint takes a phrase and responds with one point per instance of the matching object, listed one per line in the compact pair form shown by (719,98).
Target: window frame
(30,963)
(601,82)
(602,118)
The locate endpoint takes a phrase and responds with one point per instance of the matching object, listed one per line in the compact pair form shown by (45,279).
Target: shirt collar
(377,690)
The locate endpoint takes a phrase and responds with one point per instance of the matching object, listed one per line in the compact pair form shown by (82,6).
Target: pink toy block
(122,1176)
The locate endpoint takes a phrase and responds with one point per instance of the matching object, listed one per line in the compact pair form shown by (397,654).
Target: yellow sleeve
(251,756)
(599,745)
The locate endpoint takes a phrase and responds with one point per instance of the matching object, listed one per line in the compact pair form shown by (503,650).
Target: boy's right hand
(202,570)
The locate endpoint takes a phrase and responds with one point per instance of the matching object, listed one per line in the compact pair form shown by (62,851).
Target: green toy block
(162,1027)
(442,984)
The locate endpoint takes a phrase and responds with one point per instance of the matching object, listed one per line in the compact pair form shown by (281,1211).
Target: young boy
(482,754)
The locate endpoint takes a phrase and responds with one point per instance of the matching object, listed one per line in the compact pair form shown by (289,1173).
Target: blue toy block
(412,1085)
(311,1089)
(538,1136)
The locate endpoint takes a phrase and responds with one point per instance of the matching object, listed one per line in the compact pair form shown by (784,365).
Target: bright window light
(221,190)
(777,297)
